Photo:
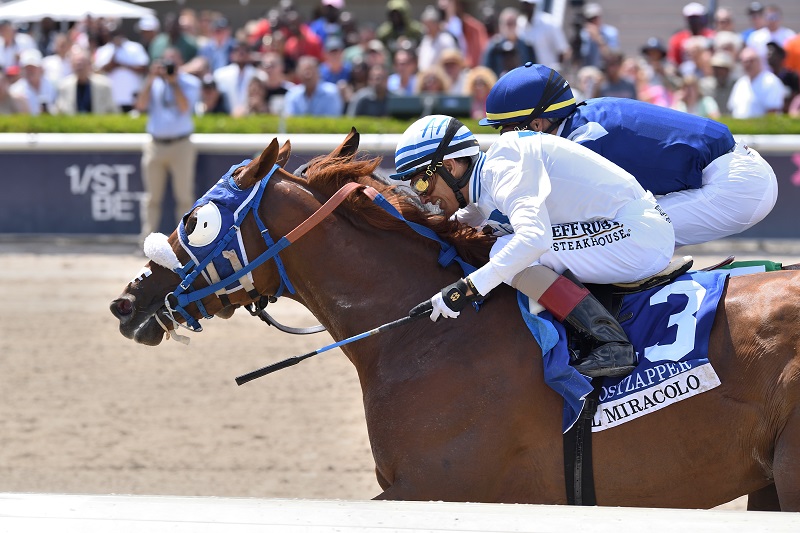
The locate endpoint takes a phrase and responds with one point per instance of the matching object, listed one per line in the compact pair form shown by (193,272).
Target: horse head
(218,238)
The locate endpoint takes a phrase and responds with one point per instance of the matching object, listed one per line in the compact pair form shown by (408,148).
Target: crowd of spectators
(329,63)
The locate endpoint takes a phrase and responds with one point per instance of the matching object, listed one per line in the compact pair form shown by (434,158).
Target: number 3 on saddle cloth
(669,327)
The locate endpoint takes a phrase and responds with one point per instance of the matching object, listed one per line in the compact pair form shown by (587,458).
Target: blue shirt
(164,119)
(325,73)
(218,55)
(665,150)
(326,100)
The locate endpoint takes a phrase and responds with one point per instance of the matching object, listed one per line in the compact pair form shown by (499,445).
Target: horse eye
(191,223)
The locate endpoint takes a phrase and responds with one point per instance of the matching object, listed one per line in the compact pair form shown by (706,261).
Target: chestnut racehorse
(458,410)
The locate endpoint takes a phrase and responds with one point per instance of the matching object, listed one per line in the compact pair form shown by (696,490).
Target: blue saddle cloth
(669,329)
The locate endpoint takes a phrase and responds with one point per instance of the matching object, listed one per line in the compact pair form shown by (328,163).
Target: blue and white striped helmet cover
(421,140)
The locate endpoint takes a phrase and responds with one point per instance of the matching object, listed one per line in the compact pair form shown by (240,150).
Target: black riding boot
(611,352)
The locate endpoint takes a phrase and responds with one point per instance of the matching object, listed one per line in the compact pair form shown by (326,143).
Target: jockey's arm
(519,185)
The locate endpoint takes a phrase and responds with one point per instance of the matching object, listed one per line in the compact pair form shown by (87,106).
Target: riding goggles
(422,185)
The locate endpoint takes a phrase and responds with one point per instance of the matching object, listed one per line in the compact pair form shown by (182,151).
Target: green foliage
(770,125)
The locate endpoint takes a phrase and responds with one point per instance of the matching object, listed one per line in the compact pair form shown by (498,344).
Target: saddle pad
(669,328)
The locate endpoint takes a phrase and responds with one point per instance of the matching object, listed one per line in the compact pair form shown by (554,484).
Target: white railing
(226,143)
(176,514)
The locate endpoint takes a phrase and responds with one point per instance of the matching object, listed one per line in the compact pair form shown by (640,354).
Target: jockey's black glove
(450,301)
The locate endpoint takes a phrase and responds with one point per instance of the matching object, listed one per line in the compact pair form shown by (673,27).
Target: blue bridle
(218,257)
(226,256)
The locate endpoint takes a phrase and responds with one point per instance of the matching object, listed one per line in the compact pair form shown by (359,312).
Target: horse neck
(350,275)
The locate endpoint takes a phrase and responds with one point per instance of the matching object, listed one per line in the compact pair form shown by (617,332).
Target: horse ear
(350,145)
(258,168)
(284,153)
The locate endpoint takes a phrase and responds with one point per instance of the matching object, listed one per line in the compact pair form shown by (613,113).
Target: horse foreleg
(785,465)
(765,499)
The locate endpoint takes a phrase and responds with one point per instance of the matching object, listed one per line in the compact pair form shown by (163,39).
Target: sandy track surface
(85,410)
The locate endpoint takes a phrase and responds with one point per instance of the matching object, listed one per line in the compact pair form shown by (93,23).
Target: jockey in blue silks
(710,185)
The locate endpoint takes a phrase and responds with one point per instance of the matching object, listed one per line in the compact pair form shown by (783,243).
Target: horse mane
(327,174)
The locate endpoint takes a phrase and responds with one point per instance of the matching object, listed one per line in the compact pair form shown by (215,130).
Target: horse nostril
(122,307)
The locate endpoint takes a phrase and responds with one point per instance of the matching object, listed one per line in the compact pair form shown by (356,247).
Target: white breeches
(637,243)
(739,189)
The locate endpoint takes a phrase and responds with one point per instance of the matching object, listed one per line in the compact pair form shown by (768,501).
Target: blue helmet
(528,92)
(436,137)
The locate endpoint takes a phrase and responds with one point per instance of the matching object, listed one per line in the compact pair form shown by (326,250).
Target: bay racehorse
(458,410)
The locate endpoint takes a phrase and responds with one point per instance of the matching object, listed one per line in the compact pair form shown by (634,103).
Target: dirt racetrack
(85,410)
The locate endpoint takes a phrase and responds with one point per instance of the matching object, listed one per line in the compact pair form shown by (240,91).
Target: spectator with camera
(169,97)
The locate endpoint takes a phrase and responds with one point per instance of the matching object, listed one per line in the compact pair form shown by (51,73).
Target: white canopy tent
(61,10)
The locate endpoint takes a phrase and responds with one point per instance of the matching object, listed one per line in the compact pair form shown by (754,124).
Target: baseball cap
(31,57)
(430,13)
(375,45)
(338,4)
(755,7)
(654,43)
(592,10)
(148,23)
(531,1)
(694,9)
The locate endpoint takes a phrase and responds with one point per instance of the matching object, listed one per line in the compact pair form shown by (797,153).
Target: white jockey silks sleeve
(515,178)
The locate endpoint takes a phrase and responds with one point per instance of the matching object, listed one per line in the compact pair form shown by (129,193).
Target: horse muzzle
(136,324)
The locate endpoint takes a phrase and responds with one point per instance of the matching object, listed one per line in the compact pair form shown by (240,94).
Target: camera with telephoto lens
(169,67)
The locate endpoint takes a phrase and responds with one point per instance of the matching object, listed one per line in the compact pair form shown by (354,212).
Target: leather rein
(185,294)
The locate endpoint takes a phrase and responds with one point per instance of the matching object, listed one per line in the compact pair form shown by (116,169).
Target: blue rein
(184,295)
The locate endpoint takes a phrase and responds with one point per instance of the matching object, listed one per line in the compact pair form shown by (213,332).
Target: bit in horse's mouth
(150,331)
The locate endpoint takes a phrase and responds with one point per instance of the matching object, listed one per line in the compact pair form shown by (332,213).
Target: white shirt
(233,81)
(56,68)
(125,83)
(545,36)
(758,39)
(539,180)
(430,48)
(754,98)
(9,52)
(45,95)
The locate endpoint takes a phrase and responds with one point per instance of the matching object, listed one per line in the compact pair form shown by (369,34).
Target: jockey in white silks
(557,206)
